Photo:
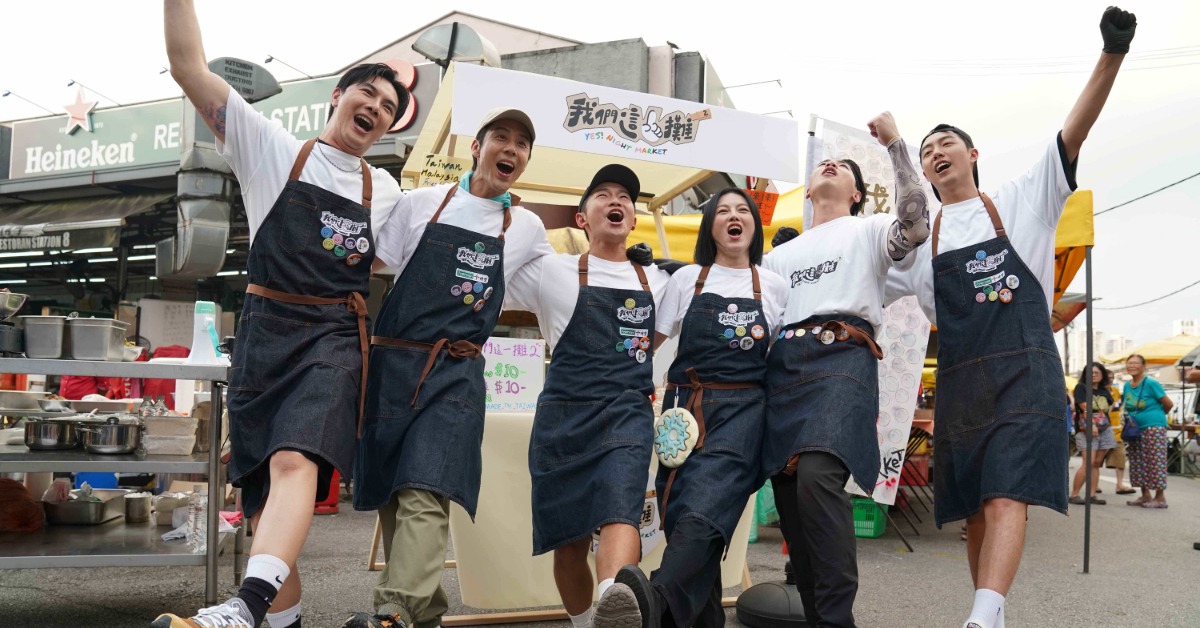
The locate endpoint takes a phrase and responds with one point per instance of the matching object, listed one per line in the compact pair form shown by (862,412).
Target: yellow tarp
(1165,351)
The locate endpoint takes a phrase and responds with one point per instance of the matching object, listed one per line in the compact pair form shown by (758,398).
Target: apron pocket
(600,315)
(966,399)
(567,430)
(436,274)
(300,224)
(948,288)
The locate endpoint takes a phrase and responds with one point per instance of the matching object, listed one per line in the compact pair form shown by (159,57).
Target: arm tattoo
(911,227)
(215,118)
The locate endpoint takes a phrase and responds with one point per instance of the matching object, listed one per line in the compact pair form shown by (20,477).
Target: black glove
(783,235)
(669,265)
(1117,27)
(640,253)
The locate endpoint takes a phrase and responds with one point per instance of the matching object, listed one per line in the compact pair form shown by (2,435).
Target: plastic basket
(870,520)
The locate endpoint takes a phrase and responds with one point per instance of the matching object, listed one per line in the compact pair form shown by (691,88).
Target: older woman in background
(1147,403)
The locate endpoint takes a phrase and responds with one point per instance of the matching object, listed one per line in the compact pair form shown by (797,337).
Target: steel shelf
(112,544)
(18,458)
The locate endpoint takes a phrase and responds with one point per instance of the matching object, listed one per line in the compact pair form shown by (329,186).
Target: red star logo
(79,114)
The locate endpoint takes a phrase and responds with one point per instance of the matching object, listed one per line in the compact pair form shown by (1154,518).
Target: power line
(1126,307)
(1105,211)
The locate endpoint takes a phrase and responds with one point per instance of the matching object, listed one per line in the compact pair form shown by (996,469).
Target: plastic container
(170,426)
(870,518)
(204,336)
(100,339)
(44,336)
(169,445)
(81,513)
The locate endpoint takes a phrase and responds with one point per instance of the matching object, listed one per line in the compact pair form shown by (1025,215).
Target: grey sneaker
(617,608)
(232,614)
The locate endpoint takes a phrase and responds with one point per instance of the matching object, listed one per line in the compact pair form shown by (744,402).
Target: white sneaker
(232,614)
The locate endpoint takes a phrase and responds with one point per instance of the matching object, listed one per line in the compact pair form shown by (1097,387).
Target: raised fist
(883,128)
(641,254)
(1117,28)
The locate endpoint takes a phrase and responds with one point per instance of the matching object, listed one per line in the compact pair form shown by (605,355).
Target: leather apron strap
(354,303)
(450,194)
(992,214)
(456,349)
(302,158)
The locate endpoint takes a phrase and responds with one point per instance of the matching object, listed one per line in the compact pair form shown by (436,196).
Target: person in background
(1147,403)
(1098,424)
(1116,458)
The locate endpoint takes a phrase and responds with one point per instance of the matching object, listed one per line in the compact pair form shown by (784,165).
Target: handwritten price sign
(515,373)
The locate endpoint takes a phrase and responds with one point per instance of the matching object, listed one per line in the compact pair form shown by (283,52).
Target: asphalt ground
(1143,572)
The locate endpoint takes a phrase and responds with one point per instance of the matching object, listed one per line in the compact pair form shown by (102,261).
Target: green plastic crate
(870,520)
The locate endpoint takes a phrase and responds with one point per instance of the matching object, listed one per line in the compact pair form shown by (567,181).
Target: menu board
(515,373)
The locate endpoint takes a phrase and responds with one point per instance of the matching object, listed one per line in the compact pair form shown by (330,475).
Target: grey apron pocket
(948,288)
(600,317)
(966,398)
(300,225)
(567,430)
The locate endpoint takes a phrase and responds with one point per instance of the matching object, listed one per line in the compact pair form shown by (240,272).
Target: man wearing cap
(591,444)
(423,423)
(986,280)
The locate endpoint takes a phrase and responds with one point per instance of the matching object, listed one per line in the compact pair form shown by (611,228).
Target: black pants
(818,525)
(688,582)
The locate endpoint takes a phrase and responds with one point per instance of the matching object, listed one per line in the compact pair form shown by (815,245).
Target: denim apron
(591,442)
(717,375)
(823,395)
(998,412)
(423,425)
(299,364)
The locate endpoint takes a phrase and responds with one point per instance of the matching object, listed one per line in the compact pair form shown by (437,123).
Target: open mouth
(616,216)
(506,167)
(829,171)
(364,123)
(941,166)
(734,231)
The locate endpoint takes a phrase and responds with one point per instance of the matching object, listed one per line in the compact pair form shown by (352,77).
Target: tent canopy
(1165,351)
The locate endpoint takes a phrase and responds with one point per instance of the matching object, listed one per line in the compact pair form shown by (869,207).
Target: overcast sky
(1006,71)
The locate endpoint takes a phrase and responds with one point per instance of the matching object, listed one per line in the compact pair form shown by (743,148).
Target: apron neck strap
(302,158)
(450,194)
(583,272)
(753,277)
(993,215)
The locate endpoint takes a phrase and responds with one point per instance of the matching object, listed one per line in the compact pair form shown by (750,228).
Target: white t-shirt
(837,267)
(1029,207)
(261,154)
(524,240)
(731,283)
(549,287)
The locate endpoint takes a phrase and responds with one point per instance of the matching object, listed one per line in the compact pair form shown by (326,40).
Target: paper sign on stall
(766,204)
(439,169)
(514,374)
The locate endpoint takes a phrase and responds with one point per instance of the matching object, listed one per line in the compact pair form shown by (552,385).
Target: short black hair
(367,73)
(966,140)
(706,244)
(1105,375)
(859,185)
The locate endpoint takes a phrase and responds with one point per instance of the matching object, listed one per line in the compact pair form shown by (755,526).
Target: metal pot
(49,435)
(112,436)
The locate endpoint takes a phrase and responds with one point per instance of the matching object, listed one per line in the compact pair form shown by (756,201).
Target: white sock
(268,568)
(604,584)
(283,619)
(1000,619)
(582,620)
(988,606)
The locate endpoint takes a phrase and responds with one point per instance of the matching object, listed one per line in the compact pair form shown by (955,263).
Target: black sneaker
(647,601)
(367,620)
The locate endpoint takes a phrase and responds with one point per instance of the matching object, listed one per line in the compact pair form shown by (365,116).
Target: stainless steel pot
(112,436)
(49,435)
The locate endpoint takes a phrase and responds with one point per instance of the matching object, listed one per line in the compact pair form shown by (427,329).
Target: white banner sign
(515,373)
(904,335)
(603,120)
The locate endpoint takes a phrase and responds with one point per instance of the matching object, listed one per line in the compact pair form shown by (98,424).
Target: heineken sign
(119,137)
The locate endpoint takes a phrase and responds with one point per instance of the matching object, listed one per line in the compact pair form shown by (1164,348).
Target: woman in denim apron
(717,375)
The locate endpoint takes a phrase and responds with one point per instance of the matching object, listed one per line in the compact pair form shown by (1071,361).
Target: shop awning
(1165,351)
(71,224)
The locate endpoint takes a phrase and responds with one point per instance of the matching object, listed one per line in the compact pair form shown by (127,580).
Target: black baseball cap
(614,173)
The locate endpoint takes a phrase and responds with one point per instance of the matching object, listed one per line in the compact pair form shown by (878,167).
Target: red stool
(330,505)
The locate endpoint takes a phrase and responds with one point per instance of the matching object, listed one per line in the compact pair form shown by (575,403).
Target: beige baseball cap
(509,113)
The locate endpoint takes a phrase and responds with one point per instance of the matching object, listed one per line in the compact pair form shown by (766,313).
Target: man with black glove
(986,280)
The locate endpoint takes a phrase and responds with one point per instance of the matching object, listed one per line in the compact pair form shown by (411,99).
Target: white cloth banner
(603,120)
(904,335)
